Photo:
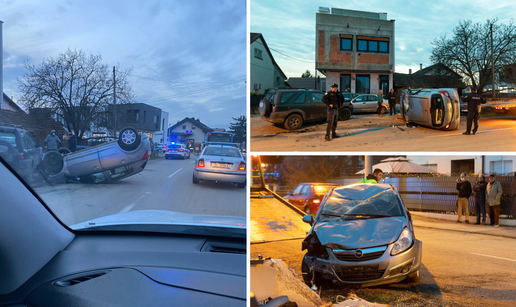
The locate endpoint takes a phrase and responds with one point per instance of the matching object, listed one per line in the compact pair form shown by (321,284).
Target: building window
(163,124)
(144,116)
(258,53)
(362,84)
(345,83)
(193,127)
(500,167)
(184,127)
(277,80)
(373,44)
(346,42)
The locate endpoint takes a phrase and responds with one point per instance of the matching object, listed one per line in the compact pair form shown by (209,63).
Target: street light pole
(492,60)
(114,102)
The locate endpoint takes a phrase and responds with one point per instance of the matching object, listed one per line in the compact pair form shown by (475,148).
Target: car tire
(307,275)
(129,139)
(241,185)
(53,162)
(264,107)
(345,114)
(413,278)
(307,210)
(195,180)
(293,122)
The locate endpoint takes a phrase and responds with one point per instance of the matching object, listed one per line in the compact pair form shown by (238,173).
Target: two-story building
(355,50)
(188,131)
(265,72)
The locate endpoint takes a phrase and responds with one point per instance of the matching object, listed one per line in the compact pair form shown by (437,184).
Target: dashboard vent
(78,279)
(226,249)
(222,246)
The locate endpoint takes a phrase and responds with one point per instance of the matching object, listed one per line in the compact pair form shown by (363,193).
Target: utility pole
(114,102)
(492,60)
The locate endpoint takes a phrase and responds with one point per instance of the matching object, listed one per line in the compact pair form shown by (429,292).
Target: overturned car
(362,235)
(433,108)
(106,162)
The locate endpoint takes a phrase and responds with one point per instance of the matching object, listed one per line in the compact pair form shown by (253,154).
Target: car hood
(167,221)
(362,233)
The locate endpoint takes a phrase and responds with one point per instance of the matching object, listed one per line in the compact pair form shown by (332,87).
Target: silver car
(177,151)
(108,161)
(433,108)
(363,235)
(220,163)
(368,103)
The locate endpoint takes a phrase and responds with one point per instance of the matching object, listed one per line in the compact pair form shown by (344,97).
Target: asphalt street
(386,133)
(163,185)
(459,269)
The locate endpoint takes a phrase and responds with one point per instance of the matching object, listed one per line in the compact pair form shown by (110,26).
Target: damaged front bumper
(383,269)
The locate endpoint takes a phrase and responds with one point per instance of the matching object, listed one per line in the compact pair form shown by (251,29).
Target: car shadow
(218,185)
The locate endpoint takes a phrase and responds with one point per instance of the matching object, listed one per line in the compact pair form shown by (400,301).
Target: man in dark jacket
(334,100)
(475,102)
(464,188)
(479,190)
(392,101)
(72,142)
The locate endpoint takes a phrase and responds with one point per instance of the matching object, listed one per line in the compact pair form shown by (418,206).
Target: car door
(304,195)
(302,102)
(360,103)
(319,108)
(294,196)
(372,103)
(420,107)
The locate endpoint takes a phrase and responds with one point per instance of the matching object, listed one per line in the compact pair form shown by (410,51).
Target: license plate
(359,270)
(220,165)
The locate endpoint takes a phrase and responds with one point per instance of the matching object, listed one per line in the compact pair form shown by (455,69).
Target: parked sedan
(108,161)
(368,103)
(433,108)
(220,163)
(362,235)
(307,196)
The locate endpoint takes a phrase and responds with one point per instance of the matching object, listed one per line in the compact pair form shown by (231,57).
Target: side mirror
(308,219)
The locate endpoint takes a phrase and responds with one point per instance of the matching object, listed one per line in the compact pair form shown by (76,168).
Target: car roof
(361,190)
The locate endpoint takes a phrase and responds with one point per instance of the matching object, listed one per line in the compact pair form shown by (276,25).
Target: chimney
(421,66)
(410,71)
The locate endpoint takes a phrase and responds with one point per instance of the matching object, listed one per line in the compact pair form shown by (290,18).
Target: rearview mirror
(308,219)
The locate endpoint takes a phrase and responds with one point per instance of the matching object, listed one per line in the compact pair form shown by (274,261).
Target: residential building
(469,163)
(9,104)
(265,72)
(189,131)
(143,117)
(161,135)
(318,83)
(434,76)
(355,50)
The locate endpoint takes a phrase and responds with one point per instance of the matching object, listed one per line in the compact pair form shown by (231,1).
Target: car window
(317,97)
(300,99)
(305,190)
(174,146)
(297,190)
(361,98)
(372,98)
(8,137)
(338,208)
(322,189)
(285,96)
(222,152)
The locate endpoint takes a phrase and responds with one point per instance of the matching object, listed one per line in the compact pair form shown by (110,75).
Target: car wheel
(53,162)
(264,107)
(308,276)
(241,185)
(129,139)
(413,278)
(195,180)
(293,122)
(345,114)
(307,210)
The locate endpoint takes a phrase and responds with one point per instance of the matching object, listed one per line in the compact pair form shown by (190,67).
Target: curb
(453,217)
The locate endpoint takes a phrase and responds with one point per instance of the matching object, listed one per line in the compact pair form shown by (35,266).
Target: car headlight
(403,243)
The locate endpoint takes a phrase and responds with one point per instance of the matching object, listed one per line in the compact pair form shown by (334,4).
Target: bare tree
(468,52)
(75,85)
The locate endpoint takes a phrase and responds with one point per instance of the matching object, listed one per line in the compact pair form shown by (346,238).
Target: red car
(307,196)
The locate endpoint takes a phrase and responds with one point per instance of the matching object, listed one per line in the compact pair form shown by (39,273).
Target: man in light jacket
(493,195)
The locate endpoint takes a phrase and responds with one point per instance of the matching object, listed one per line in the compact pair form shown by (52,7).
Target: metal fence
(439,194)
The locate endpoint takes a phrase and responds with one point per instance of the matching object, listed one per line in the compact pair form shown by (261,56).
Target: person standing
(52,141)
(493,195)
(375,177)
(380,101)
(464,188)
(334,100)
(475,102)
(479,191)
(72,142)
(392,101)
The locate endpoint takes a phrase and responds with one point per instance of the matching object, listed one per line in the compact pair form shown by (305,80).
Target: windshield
(111,131)
(222,152)
(383,204)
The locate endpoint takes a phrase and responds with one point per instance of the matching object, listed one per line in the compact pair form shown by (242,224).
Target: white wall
(262,71)
(444,162)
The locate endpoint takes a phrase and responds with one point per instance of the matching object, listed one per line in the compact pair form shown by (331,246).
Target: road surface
(163,185)
(386,133)
(459,269)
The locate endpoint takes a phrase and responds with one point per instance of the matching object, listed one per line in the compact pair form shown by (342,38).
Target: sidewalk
(448,222)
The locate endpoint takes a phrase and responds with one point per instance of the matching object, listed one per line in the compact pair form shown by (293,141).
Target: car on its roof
(222,163)
(294,107)
(362,235)
(108,161)
(18,148)
(368,103)
(307,196)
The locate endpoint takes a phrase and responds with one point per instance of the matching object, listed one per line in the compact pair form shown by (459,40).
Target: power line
(186,83)
(287,54)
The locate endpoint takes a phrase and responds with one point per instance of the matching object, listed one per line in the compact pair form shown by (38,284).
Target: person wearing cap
(52,141)
(493,195)
(464,188)
(479,191)
(380,101)
(334,100)
(474,105)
